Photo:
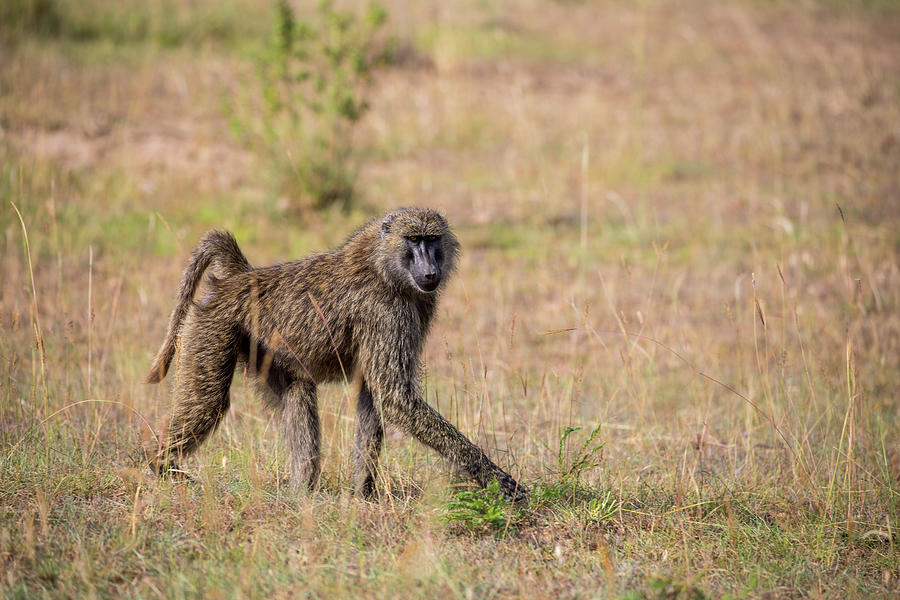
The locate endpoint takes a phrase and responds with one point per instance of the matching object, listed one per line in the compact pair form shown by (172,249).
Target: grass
(161,22)
(678,224)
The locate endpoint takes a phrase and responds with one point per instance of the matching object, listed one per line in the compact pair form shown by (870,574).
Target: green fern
(481,509)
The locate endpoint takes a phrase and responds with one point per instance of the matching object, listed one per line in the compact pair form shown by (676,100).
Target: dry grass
(679,223)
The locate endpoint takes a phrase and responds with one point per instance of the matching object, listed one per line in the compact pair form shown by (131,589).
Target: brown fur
(356,311)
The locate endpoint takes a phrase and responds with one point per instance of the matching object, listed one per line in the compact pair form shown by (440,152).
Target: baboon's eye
(413,238)
(431,238)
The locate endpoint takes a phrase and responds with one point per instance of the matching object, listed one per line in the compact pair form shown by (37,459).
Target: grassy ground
(680,224)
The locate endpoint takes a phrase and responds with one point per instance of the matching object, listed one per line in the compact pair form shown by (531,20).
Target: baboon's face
(425,259)
(417,250)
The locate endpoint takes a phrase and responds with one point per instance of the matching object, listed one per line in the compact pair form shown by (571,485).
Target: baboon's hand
(511,489)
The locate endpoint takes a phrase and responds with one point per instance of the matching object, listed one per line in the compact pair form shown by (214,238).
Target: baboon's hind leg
(300,429)
(367,446)
(202,381)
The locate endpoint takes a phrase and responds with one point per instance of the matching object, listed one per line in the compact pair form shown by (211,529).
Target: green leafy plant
(602,509)
(584,459)
(484,509)
(314,76)
(665,588)
(570,469)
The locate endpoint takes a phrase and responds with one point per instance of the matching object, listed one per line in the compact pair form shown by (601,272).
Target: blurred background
(679,223)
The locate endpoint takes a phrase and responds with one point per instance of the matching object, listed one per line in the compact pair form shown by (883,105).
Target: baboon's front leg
(433,430)
(300,429)
(367,446)
(391,369)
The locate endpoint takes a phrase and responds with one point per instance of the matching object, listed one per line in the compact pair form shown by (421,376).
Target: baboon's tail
(217,250)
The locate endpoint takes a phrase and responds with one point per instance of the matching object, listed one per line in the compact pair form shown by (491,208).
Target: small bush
(313,77)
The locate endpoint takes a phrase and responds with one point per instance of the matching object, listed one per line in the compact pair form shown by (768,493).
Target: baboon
(361,311)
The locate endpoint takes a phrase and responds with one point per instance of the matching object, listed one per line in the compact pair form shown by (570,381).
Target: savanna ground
(680,224)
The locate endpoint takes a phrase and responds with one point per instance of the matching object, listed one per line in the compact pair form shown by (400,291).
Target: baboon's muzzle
(424,266)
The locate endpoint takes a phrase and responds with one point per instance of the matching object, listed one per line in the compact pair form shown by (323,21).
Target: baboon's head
(417,250)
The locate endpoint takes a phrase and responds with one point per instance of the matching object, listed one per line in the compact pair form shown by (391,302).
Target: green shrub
(313,76)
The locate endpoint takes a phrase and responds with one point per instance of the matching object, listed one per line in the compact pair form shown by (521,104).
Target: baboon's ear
(386,224)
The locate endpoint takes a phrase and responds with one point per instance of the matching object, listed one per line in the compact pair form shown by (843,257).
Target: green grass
(162,22)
